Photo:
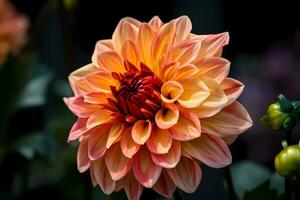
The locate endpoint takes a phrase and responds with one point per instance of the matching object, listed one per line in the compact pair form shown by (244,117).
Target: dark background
(264,51)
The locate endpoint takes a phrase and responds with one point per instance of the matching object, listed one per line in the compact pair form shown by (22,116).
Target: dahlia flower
(154,105)
(13,27)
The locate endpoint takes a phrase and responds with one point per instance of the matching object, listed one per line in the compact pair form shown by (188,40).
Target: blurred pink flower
(154,104)
(13,27)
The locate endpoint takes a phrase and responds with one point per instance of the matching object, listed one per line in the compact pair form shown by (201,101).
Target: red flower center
(138,96)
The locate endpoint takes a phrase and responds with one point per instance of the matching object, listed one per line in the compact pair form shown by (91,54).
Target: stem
(231,192)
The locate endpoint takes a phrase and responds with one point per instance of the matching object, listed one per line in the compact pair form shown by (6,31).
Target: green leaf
(285,104)
(262,192)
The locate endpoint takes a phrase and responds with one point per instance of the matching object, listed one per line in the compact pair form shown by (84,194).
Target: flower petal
(156,23)
(187,128)
(170,159)
(194,93)
(101,46)
(97,143)
(128,146)
(186,51)
(213,67)
(141,131)
(232,88)
(167,116)
(117,164)
(209,149)
(129,52)
(115,133)
(171,91)
(165,186)
(83,161)
(186,72)
(159,142)
(215,101)
(132,187)
(186,175)
(232,120)
(100,82)
(102,176)
(111,61)
(92,175)
(98,118)
(127,29)
(81,108)
(78,129)
(144,42)
(97,98)
(183,28)
(145,171)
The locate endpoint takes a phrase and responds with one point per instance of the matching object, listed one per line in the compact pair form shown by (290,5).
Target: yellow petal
(167,116)
(130,53)
(171,91)
(128,146)
(141,131)
(159,142)
(115,133)
(186,51)
(98,118)
(183,28)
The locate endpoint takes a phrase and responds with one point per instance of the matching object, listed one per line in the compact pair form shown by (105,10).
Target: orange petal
(141,131)
(98,118)
(169,71)
(102,176)
(232,88)
(187,128)
(81,108)
(170,159)
(128,146)
(79,74)
(183,28)
(145,171)
(115,133)
(186,51)
(83,161)
(111,61)
(186,175)
(232,120)
(78,129)
(156,23)
(127,29)
(186,72)
(159,142)
(101,46)
(130,52)
(213,67)
(132,187)
(171,91)
(117,164)
(194,93)
(212,45)
(215,101)
(167,116)
(97,142)
(100,82)
(144,42)
(165,186)
(209,149)
(97,98)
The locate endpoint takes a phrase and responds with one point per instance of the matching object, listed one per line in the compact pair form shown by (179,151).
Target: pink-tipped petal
(117,164)
(187,128)
(167,116)
(165,186)
(156,23)
(99,118)
(186,51)
(159,142)
(232,120)
(141,131)
(101,46)
(83,161)
(92,175)
(78,129)
(183,28)
(80,108)
(232,88)
(230,139)
(128,146)
(209,149)
(132,187)
(186,175)
(145,171)
(102,177)
(97,143)
(170,159)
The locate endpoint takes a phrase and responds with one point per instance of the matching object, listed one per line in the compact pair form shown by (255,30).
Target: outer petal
(183,28)
(101,46)
(145,171)
(186,175)
(128,146)
(78,129)
(167,116)
(215,101)
(83,161)
(156,23)
(187,128)
(81,108)
(111,61)
(97,142)
(213,67)
(141,131)
(159,142)
(165,186)
(170,159)
(232,120)
(232,88)
(99,118)
(127,29)
(209,149)
(195,92)
(171,91)
(132,187)
(186,51)
(102,176)
(117,164)
(130,52)
(99,82)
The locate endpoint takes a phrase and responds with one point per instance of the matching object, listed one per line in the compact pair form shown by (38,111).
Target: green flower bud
(287,162)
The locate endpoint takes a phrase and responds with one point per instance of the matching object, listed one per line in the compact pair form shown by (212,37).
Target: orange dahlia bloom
(154,104)
(12,30)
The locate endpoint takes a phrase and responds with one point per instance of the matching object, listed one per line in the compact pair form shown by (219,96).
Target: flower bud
(287,162)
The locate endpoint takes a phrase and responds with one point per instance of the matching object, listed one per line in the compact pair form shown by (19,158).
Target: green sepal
(285,104)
